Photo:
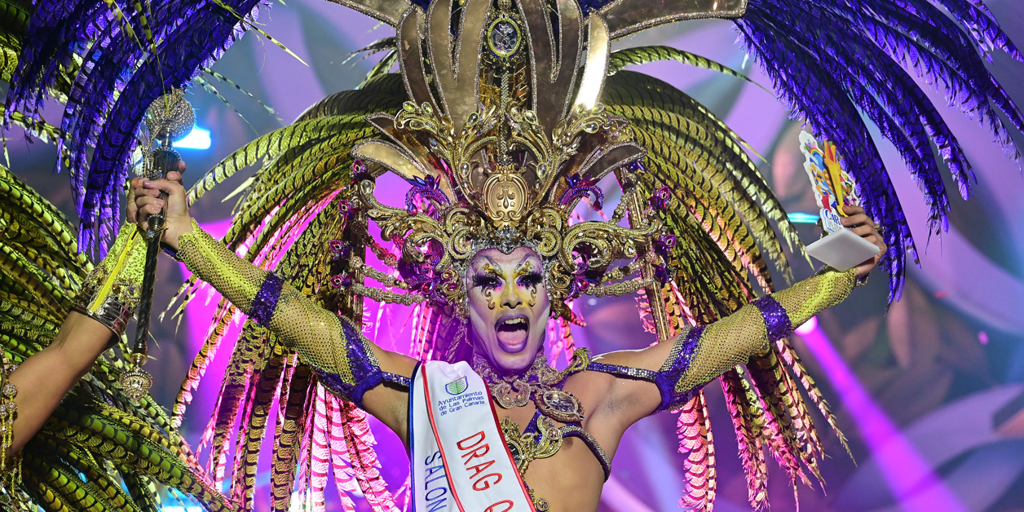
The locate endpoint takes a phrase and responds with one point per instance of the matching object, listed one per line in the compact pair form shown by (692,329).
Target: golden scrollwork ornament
(528,447)
(505,197)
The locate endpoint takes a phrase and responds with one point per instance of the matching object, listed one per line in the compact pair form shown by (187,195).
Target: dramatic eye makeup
(527,275)
(486,281)
(531,279)
(490,276)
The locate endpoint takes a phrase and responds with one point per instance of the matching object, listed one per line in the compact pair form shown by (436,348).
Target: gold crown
(500,144)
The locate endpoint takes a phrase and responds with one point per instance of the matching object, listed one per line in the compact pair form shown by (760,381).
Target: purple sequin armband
(265,302)
(776,320)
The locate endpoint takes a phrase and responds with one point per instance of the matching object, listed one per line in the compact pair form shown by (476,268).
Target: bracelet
(168,250)
(861,281)
(776,320)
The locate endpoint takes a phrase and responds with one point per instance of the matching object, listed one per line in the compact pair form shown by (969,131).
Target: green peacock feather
(98,451)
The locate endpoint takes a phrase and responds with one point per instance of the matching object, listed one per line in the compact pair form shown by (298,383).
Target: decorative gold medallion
(560,406)
(135,382)
(505,196)
(504,37)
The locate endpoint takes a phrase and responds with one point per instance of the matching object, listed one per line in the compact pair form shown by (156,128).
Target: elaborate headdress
(493,160)
(503,117)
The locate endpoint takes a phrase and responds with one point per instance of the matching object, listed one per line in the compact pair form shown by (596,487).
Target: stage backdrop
(930,391)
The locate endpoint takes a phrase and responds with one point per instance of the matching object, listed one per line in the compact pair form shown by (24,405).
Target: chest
(559,466)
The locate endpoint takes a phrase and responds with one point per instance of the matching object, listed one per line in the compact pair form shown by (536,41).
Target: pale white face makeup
(508,306)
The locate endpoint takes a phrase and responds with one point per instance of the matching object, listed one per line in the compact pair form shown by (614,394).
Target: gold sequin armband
(236,279)
(111,291)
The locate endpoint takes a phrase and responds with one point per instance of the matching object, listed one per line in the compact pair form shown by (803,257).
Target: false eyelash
(531,279)
(485,281)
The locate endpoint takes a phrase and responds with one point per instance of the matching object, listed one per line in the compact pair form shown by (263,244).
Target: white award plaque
(833,188)
(842,250)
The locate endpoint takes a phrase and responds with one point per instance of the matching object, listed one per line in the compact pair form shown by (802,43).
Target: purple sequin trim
(775,318)
(667,379)
(265,302)
(366,374)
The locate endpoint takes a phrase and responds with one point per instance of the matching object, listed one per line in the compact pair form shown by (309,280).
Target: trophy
(833,189)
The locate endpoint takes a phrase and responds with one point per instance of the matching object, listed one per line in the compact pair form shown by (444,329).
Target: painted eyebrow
(491,269)
(523,269)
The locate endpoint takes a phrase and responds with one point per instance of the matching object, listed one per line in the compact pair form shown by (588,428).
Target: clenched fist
(145,199)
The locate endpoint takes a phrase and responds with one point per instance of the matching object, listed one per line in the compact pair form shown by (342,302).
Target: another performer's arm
(102,309)
(43,379)
(703,353)
(348,364)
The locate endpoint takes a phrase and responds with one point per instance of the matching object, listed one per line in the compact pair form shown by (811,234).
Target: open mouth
(512,332)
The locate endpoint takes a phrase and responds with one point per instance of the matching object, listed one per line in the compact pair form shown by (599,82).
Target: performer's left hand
(859,222)
(144,200)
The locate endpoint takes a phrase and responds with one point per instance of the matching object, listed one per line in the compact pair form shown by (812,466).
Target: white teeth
(515,321)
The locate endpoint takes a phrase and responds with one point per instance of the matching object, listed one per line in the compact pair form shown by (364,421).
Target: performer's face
(508,306)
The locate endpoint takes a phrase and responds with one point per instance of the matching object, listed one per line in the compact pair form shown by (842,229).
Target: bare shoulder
(651,358)
(612,403)
(594,389)
(618,395)
(394,362)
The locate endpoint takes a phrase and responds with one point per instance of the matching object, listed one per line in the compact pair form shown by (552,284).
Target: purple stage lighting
(914,484)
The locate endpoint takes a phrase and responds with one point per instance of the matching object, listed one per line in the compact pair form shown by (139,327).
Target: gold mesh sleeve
(342,357)
(236,279)
(815,294)
(314,332)
(720,346)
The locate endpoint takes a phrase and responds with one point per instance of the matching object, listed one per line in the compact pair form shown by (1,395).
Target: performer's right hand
(144,200)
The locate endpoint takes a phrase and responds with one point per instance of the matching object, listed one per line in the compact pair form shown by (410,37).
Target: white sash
(459,458)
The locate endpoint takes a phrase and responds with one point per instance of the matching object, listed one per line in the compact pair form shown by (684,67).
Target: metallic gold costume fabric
(702,353)
(342,357)
(111,291)
(735,339)
(541,136)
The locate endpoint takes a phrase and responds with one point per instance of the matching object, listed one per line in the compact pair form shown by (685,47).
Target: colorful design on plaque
(824,165)
(833,186)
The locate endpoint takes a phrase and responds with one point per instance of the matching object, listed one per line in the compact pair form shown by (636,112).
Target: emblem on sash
(457,386)
(459,460)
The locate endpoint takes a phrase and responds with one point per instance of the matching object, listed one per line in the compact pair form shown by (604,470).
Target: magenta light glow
(198,314)
(914,484)
(807,327)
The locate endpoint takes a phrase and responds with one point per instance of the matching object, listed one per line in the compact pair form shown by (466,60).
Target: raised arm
(705,352)
(347,363)
(702,353)
(101,312)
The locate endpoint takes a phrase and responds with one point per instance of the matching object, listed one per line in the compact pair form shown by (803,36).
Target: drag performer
(507,116)
(486,241)
(571,420)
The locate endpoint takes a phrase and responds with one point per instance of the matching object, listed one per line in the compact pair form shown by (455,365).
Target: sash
(459,458)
